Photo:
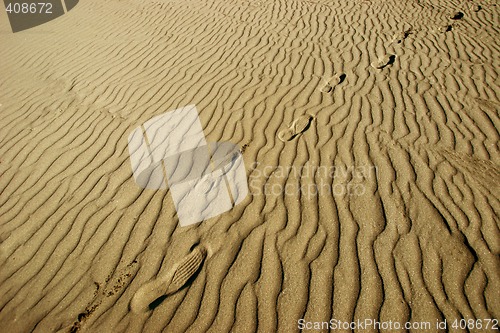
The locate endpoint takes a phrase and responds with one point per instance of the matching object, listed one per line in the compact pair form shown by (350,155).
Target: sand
(388,109)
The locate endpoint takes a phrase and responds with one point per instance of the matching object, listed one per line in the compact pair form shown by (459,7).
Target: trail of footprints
(302,123)
(182,273)
(187,268)
(456,16)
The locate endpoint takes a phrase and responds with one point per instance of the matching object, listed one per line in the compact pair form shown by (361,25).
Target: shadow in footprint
(154,304)
(445,28)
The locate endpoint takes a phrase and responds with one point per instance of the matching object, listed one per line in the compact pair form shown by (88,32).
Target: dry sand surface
(391,108)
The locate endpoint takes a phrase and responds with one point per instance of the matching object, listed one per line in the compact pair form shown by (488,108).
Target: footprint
(332,82)
(171,282)
(445,28)
(475,7)
(286,135)
(299,126)
(456,15)
(383,61)
(401,36)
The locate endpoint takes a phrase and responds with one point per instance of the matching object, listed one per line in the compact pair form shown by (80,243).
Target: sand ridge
(401,99)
